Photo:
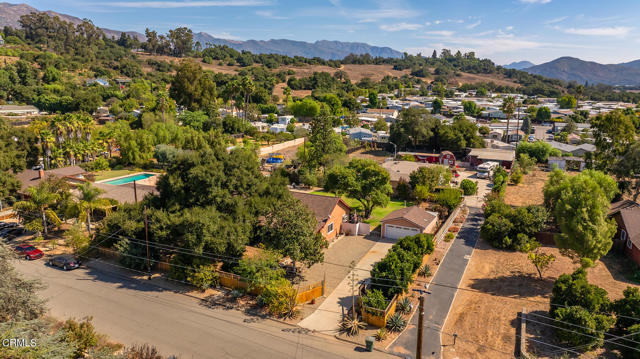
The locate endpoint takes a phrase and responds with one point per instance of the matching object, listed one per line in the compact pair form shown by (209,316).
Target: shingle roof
(413,214)
(321,206)
(620,205)
(30,178)
(631,219)
(402,169)
(493,154)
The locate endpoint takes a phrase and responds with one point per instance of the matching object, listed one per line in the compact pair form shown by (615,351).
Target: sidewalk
(438,303)
(325,319)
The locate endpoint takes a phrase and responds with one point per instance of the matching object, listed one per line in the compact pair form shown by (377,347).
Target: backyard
(103,175)
(378,212)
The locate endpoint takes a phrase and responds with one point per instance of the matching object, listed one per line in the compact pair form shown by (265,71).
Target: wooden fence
(378,317)
(445,226)
(310,292)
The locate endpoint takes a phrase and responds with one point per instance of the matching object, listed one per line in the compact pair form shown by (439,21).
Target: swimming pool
(130,179)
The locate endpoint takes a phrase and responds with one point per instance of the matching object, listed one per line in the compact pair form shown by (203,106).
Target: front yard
(378,212)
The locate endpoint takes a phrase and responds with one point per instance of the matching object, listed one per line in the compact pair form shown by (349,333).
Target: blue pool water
(129,179)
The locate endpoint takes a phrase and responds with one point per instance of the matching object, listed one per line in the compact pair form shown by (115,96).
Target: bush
(351,326)
(403,190)
(539,150)
(516,175)
(204,277)
(100,164)
(374,299)
(144,351)
(404,306)
(634,335)
(526,163)
(449,237)
(425,271)
(419,244)
(394,272)
(381,334)
(279,297)
(579,327)
(574,290)
(627,308)
(468,187)
(449,198)
(507,228)
(396,323)
(81,334)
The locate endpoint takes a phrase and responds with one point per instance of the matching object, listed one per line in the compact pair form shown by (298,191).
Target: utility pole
(146,238)
(135,191)
(420,322)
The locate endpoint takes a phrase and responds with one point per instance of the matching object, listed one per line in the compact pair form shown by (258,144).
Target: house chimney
(41,173)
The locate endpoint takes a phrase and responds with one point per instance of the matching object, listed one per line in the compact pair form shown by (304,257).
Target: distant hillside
(332,50)
(632,64)
(10,14)
(573,69)
(519,65)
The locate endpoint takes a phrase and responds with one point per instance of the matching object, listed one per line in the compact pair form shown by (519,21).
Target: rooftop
(493,154)
(321,206)
(402,169)
(631,219)
(413,214)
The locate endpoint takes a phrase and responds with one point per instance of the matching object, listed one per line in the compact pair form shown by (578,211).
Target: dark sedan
(29,252)
(65,262)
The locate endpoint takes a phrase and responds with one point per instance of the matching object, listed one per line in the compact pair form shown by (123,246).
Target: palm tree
(40,198)
(248,87)
(287,94)
(508,107)
(88,201)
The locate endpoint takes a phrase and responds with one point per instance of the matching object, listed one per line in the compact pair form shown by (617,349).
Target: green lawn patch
(103,175)
(378,212)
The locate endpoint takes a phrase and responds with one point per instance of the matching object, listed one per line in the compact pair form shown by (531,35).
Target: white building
(277,128)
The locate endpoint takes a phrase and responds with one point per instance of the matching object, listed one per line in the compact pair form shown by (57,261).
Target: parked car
(66,262)
(12,233)
(4,225)
(532,138)
(29,252)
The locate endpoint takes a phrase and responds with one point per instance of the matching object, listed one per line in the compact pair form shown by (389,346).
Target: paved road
(438,303)
(541,132)
(134,311)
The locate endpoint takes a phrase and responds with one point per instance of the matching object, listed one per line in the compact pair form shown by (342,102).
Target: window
(623,235)
(330,228)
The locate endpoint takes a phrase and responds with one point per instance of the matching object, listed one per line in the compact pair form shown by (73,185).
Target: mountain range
(573,69)
(519,65)
(10,14)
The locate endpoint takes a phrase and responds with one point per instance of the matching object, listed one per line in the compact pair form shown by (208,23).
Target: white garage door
(397,232)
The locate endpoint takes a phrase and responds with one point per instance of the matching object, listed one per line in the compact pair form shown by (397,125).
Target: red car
(29,252)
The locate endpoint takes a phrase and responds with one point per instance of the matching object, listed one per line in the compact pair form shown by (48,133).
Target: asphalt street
(135,311)
(438,303)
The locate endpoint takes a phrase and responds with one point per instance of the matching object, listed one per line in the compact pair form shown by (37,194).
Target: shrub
(516,175)
(538,150)
(425,271)
(403,190)
(393,272)
(579,327)
(449,198)
(574,290)
(279,297)
(381,334)
(351,326)
(526,163)
(374,299)
(410,158)
(468,187)
(81,334)
(507,228)
(396,323)
(404,306)
(100,164)
(449,237)
(144,351)
(204,277)
(634,335)
(627,308)
(496,230)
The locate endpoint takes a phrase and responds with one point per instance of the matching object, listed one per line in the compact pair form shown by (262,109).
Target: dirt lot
(529,192)
(376,155)
(497,286)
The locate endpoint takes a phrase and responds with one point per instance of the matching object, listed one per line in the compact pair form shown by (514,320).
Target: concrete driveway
(137,311)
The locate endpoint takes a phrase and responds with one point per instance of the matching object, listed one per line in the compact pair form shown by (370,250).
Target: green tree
(543,114)
(580,204)
(181,40)
(436,105)
(88,201)
(627,308)
(567,101)
(508,107)
(431,177)
(18,298)
(574,290)
(363,180)
(76,239)
(579,327)
(323,141)
(541,261)
(290,228)
(194,88)
(468,187)
(380,125)
(41,198)
(373,99)
(613,133)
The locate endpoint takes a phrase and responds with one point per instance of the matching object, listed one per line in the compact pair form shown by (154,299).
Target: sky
(502,30)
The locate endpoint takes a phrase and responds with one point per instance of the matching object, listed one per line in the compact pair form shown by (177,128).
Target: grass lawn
(103,175)
(378,212)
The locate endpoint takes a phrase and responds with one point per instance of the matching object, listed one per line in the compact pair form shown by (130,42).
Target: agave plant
(396,323)
(381,334)
(351,326)
(404,306)
(425,271)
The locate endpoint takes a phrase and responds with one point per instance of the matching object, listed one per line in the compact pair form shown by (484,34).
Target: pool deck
(149,181)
